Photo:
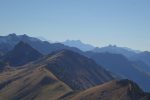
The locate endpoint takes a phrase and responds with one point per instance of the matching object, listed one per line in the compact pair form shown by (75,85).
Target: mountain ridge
(74,69)
(115,50)
(113,90)
(21,54)
(7,43)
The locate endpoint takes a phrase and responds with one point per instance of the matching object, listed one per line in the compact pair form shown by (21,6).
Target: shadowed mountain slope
(114,90)
(143,56)
(120,65)
(51,77)
(1,53)
(21,54)
(77,71)
(141,66)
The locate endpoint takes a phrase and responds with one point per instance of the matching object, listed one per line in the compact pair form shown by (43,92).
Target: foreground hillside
(38,83)
(31,84)
(114,90)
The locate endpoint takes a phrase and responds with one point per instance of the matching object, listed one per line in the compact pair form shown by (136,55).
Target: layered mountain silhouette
(21,54)
(31,69)
(52,77)
(120,65)
(77,71)
(65,75)
(143,56)
(7,43)
(115,50)
(114,90)
(78,44)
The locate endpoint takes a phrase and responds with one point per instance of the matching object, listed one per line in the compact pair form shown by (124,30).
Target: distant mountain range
(78,44)
(32,69)
(120,65)
(115,50)
(111,48)
(7,43)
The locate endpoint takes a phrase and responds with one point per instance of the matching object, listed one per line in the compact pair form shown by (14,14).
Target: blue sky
(97,22)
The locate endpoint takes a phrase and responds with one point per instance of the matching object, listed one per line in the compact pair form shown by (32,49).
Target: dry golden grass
(31,83)
(111,91)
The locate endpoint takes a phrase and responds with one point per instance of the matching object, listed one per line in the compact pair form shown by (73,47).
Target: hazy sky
(97,22)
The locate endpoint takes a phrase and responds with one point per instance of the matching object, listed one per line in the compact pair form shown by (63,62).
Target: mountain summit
(78,44)
(21,54)
(8,42)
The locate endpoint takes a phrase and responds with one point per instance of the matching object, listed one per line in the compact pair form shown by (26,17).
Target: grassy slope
(114,90)
(31,83)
